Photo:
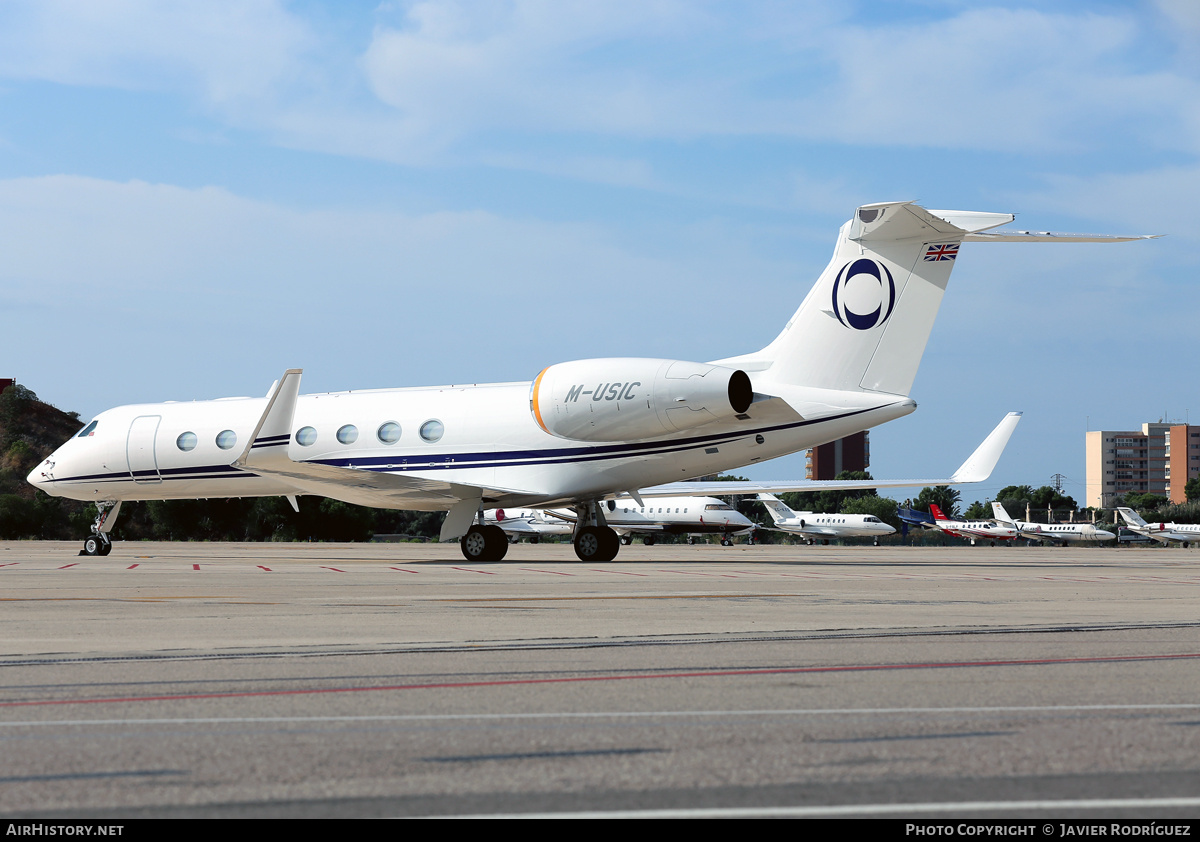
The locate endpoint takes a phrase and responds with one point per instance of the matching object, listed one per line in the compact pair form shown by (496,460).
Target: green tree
(1192,489)
(945,497)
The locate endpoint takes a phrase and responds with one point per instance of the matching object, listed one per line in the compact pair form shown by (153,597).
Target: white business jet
(525,523)
(580,433)
(1184,533)
(1062,533)
(975,530)
(816,525)
(689,516)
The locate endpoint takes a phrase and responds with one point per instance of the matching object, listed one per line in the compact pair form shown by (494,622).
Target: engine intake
(626,399)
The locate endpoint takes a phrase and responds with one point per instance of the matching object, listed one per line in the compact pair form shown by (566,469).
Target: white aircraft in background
(1184,533)
(823,526)
(975,530)
(580,433)
(525,523)
(689,516)
(1060,532)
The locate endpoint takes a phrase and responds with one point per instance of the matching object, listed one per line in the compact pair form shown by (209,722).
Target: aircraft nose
(42,476)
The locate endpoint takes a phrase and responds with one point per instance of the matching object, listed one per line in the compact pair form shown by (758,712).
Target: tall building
(852,453)
(1158,459)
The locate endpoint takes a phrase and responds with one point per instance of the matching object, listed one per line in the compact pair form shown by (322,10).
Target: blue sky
(195,196)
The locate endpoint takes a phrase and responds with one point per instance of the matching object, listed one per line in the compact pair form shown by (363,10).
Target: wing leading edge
(977,468)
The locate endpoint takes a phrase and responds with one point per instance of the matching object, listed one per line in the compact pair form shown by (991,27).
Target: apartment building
(1158,459)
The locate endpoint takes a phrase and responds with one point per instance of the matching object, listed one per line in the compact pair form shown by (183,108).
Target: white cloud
(224,52)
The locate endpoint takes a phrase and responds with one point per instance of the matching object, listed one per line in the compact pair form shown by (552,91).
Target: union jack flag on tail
(947,251)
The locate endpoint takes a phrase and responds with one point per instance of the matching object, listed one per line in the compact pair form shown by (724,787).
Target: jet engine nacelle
(625,399)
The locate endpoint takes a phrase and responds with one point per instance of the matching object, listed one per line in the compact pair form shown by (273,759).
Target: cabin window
(186,442)
(347,434)
(88,430)
(389,432)
(432,430)
(226,439)
(305,436)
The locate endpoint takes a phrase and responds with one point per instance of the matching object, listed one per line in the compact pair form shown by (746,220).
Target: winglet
(982,462)
(274,430)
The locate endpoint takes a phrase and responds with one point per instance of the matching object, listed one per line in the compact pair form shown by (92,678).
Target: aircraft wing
(266,454)
(977,468)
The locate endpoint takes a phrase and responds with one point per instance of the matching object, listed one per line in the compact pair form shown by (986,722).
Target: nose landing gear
(99,542)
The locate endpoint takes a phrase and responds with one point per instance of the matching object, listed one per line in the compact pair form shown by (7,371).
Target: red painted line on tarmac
(334,569)
(469,570)
(622,572)
(404,570)
(65,566)
(260,567)
(592,678)
(195,566)
(535,570)
(10,564)
(711,575)
(130,567)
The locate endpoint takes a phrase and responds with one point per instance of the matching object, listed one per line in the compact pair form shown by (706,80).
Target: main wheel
(626,540)
(726,542)
(648,540)
(484,543)
(596,543)
(92,545)
(105,544)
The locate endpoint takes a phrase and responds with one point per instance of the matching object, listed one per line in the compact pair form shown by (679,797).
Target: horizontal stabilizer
(1051,237)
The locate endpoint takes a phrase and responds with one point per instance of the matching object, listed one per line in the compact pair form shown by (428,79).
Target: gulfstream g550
(580,433)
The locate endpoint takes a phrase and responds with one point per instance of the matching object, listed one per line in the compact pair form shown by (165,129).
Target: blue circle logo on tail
(867,283)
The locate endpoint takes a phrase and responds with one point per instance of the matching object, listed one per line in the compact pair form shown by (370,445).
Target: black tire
(105,544)
(92,545)
(484,543)
(725,542)
(626,540)
(533,539)
(596,543)
(648,540)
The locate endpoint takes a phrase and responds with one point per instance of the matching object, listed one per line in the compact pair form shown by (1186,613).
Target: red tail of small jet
(936,512)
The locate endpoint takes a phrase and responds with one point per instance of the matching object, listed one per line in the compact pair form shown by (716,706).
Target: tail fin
(865,323)
(776,507)
(1001,514)
(936,512)
(1132,517)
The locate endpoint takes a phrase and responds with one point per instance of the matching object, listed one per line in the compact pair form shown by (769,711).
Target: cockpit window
(88,430)
(718,507)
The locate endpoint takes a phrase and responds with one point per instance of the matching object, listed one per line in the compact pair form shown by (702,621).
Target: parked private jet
(975,530)
(821,526)
(689,516)
(1184,533)
(525,523)
(580,433)
(1062,533)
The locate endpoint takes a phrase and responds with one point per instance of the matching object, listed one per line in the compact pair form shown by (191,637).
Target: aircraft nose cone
(42,476)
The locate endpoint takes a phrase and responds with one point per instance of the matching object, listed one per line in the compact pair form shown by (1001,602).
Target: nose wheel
(99,542)
(96,544)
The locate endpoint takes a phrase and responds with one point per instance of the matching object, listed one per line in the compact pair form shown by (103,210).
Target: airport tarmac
(326,680)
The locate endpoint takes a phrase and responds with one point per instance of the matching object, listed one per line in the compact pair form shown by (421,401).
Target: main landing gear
(484,543)
(594,539)
(99,542)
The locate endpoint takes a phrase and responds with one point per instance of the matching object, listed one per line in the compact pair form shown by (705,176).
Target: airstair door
(139,448)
